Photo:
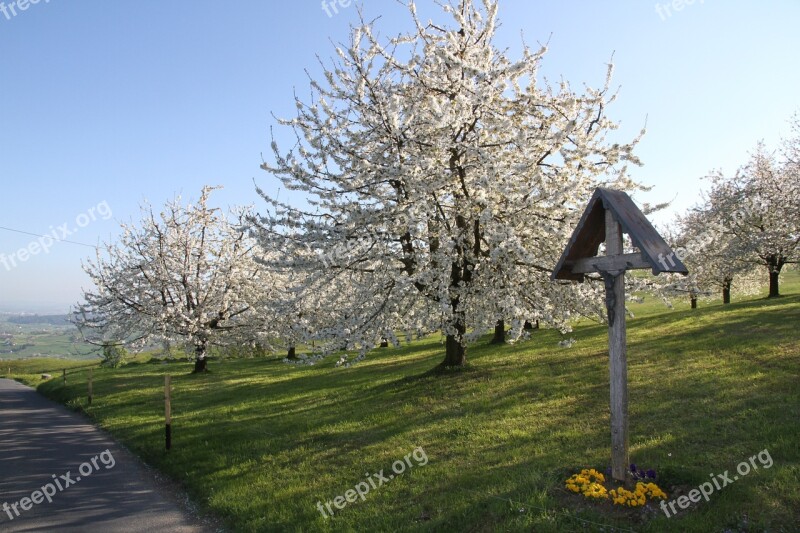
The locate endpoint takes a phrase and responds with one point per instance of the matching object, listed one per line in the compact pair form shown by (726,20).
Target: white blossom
(185,275)
(443,180)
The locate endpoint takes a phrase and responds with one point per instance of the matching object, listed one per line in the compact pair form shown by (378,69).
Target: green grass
(259,442)
(789,284)
(29,371)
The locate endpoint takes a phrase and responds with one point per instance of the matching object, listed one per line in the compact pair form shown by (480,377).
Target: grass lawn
(259,442)
(29,371)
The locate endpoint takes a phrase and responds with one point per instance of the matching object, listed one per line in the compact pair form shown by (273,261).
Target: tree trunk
(726,291)
(499,333)
(528,326)
(200,363)
(456,353)
(694,302)
(292,353)
(774,275)
(200,366)
(774,263)
(384,342)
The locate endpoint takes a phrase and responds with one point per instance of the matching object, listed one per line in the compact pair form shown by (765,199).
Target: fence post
(90,386)
(168,411)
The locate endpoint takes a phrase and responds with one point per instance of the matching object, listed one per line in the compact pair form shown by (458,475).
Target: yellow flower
(589,483)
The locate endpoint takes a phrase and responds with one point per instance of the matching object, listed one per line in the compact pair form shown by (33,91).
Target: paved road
(44,446)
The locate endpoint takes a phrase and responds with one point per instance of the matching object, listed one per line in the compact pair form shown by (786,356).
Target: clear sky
(106,104)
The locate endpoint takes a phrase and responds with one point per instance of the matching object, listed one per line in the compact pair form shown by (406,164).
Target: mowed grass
(259,442)
(29,371)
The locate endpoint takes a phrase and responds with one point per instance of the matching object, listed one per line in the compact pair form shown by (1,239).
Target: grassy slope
(29,371)
(259,442)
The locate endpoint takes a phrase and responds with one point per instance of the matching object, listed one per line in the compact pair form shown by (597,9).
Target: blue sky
(106,104)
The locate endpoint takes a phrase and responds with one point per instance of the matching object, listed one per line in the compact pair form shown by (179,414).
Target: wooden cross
(610,214)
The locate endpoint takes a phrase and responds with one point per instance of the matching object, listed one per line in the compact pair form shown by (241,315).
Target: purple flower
(651,474)
(633,468)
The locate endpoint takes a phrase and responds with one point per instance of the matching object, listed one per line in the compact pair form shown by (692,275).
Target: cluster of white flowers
(187,274)
(746,229)
(445,180)
(442,181)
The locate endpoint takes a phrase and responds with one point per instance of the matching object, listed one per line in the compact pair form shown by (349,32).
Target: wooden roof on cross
(590,232)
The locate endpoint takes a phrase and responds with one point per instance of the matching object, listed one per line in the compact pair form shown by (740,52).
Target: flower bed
(591,484)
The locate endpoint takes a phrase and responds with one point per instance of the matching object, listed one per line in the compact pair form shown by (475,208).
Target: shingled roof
(590,232)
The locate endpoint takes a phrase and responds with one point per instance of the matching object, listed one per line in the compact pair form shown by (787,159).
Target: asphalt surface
(96,484)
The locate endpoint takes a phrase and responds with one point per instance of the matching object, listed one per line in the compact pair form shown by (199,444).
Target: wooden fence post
(168,411)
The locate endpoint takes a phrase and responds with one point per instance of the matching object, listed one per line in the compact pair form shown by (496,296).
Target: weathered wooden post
(168,411)
(617,351)
(610,214)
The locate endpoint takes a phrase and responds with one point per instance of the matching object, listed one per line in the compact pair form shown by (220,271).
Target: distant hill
(53,320)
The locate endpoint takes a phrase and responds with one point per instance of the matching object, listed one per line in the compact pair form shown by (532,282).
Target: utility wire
(45,236)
